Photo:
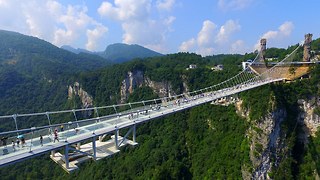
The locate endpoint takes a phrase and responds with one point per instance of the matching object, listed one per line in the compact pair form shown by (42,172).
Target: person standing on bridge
(23,141)
(18,142)
(41,140)
(56,135)
(13,145)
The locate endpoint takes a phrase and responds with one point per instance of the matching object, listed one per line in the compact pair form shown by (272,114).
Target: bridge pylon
(263,48)
(307,47)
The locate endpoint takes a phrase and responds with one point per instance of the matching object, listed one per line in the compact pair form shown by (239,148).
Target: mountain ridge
(118,52)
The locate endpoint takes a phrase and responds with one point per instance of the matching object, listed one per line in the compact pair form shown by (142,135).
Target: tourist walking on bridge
(13,145)
(18,142)
(56,135)
(41,140)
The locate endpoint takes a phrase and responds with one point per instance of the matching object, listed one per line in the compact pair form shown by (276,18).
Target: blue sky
(167,26)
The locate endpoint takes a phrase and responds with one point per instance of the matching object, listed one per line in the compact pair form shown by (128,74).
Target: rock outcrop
(135,79)
(265,140)
(76,90)
(307,117)
(132,80)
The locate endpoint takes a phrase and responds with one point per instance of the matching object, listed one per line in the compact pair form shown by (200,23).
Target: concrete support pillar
(53,153)
(66,155)
(134,133)
(116,141)
(94,148)
(78,145)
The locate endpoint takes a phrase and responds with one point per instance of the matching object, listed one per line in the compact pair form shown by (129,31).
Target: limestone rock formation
(135,79)
(76,90)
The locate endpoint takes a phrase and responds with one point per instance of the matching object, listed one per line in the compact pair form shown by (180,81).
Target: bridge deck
(109,125)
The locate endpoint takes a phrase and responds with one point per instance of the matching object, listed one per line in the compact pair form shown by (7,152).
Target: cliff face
(307,117)
(135,79)
(76,90)
(265,140)
(132,80)
(163,88)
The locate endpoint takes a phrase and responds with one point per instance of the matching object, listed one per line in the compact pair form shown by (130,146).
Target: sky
(205,27)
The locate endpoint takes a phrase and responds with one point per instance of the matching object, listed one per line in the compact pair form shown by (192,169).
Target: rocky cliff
(132,80)
(307,117)
(76,90)
(265,140)
(135,79)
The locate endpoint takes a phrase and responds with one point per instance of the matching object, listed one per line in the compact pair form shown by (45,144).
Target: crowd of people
(20,141)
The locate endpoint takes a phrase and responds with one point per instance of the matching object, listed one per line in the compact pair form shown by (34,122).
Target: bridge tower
(263,47)
(307,47)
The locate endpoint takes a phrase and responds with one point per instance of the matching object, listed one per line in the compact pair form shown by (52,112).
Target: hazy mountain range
(118,52)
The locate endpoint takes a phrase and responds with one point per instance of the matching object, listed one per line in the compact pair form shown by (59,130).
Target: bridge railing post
(97,114)
(32,132)
(115,109)
(49,121)
(75,116)
(15,122)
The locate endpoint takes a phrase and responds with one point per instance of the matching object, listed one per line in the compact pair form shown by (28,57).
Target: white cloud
(48,20)
(76,22)
(124,10)
(227,30)
(206,51)
(169,20)
(94,36)
(3,3)
(286,28)
(239,47)
(206,35)
(212,39)
(234,4)
(139,26)
(283,31)
(165,4)
(187,45)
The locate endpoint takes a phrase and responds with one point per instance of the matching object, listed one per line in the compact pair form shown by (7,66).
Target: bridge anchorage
(74,136)
(291,67)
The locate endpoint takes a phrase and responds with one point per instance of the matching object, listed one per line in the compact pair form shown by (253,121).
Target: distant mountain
(119,52)
(76,51)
